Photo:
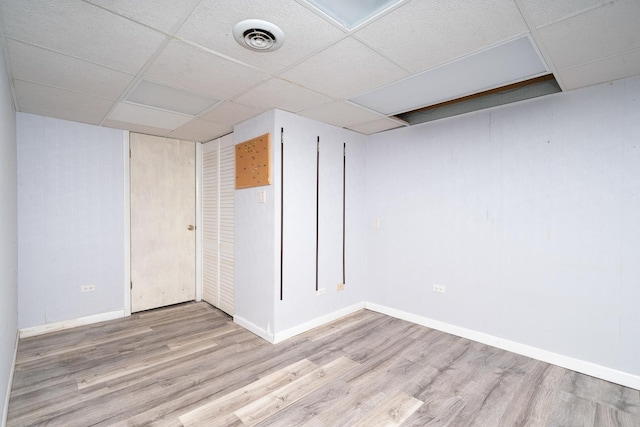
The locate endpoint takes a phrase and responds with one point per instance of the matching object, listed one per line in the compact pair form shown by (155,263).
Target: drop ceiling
(172,68)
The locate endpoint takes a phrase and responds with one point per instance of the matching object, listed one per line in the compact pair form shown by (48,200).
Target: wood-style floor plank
(289,394)
(392,412)
(190,365)
(223,409)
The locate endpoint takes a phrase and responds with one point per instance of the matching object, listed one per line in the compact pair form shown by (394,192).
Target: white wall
(300,303)
(254,246)
(528,214)
(8,233)
(257,245)
(71,220)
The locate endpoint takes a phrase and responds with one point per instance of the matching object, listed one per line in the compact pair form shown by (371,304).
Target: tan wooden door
(162,221)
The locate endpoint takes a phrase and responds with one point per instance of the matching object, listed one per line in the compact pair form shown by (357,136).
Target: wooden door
(162,221)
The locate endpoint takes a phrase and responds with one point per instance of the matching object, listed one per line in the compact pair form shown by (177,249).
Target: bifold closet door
(162,221)
(218,178)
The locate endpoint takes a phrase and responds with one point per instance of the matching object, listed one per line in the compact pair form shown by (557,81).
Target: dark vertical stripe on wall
(281,209)
(317,204)
(344,208)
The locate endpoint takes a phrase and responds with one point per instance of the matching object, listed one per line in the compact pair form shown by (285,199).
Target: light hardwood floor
(190,365)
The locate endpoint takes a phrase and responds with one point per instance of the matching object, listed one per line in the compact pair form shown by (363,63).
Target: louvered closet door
(210,203)
(226,213)
(218,171)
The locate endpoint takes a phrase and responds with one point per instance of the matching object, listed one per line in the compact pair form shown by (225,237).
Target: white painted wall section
(527,214)
(259,306)
(9,237)
(300,303)
(71,220)
(255,247)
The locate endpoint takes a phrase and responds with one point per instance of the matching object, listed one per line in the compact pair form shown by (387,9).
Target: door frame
(127,222)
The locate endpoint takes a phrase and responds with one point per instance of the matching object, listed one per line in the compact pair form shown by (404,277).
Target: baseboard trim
(67,324)
(588,368)
(5,412)
(318,321)
(253,328)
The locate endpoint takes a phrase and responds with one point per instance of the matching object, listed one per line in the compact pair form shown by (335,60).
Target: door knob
(190,227)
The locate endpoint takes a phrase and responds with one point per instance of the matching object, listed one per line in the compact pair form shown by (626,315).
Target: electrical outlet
(439,288)
(340,287)
(321,291)
(87,288)
(376,224)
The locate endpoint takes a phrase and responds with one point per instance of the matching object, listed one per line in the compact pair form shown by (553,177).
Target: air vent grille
(258,35)
(259,39)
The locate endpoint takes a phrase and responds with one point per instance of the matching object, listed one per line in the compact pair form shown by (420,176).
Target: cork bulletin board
(253,162)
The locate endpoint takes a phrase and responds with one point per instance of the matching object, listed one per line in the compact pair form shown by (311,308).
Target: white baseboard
(66,324)
(253,328)
(592,369)
(5,412)
(318,321)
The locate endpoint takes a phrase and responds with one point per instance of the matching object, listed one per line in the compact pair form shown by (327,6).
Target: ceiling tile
(164,15)
(366,70)
(54,69)
(377,126)
(198,71)
(148,130)
(92,34)
(277,93)
(501,65)
(168,98)
(601,32)
(211,23)
(145,116)
(543,12)
(423,34)
(62,104)
(352,13)
(231,113)
(342,114)
(201,131)
(611,68)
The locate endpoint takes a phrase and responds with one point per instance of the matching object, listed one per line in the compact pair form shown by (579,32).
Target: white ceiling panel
(510,62)
(277,93)
(366,70)
(305,32)
(198,71)
(376,126)
(164,15)
(590,36)
(59,103)
(352,13)
(423,34)
(145,116)
(200,130)
(231,113)
(611,68)
(543,12)
(342,114)
(168,98)
(149,130)
(82,30)
(39,65)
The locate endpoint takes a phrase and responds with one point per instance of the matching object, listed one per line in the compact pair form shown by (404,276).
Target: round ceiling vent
(258,35)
